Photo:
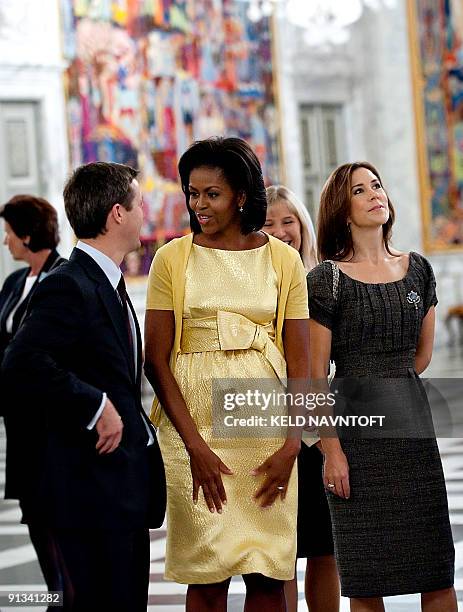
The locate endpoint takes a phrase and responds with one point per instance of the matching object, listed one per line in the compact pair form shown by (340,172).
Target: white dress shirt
(113,274)
(30,280)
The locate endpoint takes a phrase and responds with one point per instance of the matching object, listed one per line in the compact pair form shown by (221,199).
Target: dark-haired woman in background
(372,310)
(31,235)
(225,302)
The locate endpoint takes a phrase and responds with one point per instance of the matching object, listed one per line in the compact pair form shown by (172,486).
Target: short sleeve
(429,283)
(159,293)
(296,305)
(322,305)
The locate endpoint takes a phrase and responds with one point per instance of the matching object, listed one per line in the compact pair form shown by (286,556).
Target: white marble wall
(371,77)
(31,69)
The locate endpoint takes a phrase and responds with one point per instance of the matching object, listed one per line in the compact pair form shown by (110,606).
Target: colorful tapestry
(439,84)
(147,77)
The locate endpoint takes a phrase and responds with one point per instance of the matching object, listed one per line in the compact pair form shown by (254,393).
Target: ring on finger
(330,485)
(281,488)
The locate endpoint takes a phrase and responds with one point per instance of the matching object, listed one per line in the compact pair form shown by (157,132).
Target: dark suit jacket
(11,293)
(73,346)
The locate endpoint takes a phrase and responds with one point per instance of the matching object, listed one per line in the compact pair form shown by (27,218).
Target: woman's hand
(336,472)
(277,470)
(207,469)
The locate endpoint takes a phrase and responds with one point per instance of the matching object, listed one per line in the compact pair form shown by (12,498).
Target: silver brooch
(413,298)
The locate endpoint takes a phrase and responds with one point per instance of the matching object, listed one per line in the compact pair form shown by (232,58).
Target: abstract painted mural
(437,50)
(147,77)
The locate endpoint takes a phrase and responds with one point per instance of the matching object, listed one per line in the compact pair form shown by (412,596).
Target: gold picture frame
(436,52)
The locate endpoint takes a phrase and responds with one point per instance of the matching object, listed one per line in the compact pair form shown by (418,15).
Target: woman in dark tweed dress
(372,311)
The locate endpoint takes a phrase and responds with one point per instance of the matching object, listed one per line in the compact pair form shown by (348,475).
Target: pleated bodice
(375,326)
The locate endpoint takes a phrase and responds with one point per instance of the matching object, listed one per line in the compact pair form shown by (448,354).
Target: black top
(11,293)
(375,326)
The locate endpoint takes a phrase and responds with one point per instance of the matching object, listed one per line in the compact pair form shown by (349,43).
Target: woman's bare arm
(336,470)
(206,466)
(159,339)
(277,468)
(425,341)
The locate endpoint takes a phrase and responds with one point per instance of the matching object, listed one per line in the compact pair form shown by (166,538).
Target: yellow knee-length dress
(205,547)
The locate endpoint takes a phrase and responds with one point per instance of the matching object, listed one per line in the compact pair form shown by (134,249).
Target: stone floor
(19,569)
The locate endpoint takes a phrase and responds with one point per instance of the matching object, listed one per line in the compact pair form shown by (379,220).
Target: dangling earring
(348,227)
(240,209)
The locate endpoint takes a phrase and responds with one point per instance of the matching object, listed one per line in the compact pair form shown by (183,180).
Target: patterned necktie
(122,291)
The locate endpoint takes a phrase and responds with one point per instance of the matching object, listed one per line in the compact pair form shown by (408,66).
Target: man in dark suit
(95,474)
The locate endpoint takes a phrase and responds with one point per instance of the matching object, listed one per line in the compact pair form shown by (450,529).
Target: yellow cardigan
(166,289)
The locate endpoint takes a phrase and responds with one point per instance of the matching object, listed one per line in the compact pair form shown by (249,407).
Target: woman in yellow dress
(225,302)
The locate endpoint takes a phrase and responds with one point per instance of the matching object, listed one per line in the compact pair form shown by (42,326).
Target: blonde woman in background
(289,220)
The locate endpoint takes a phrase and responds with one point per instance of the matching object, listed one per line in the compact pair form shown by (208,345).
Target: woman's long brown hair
(334,238)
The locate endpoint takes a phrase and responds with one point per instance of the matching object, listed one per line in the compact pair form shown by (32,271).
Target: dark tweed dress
(393,535)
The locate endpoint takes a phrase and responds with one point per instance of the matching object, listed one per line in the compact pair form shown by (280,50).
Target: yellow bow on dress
(230,331)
